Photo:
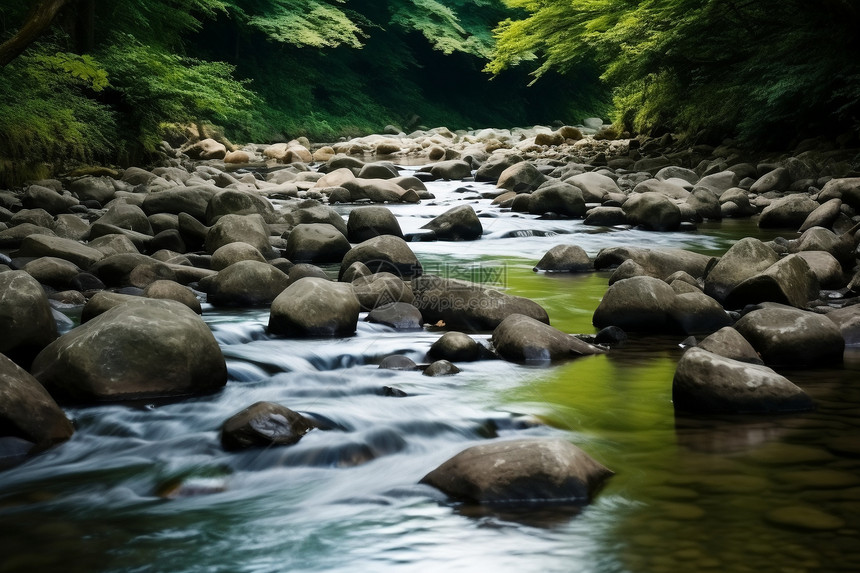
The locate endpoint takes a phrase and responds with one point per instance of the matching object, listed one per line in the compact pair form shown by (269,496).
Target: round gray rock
(315,307)
(151,348)
(262,425)
(523,339)
(26,322)
(790,336)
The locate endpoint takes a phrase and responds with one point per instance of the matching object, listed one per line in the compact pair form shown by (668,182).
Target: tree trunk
(38,20)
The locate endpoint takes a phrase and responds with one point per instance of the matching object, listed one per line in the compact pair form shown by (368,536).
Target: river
(147,487)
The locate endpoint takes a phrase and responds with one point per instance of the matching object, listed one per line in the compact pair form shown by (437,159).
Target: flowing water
(147,487)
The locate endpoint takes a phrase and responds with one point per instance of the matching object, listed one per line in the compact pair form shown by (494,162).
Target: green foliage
(758,70)
(312,23)
(155,87)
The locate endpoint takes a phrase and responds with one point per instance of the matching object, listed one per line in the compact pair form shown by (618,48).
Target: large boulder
(520,472)
(397,315)
(250,229)
(246,283)
(565,259)
(495,165)
(788,281)
(594,186)
(456,347)
(231,253)
(91,188)
(235,202)
(743,260)
(385,253)
(469,306)
(317,214)
(26,322)
(460,223)
(778,179)
(522,177)
(73,251)
(637,304)
(848,321)
(523,339)
(658,263)
(652,211)
(144,349)
(47,199)
(379,191)
(126,216)
(367,222)
(315,307)
(262,425)
(557,197)
(192,200)
(27,411)
(792,337)
(730,343)
(316,243)
(708,383)
(695,312)
(379,289)
(789,212)
(51,271)
(452,169)
(846,189)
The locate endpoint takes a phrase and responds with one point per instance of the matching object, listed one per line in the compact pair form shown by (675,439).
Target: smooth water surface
(147,487)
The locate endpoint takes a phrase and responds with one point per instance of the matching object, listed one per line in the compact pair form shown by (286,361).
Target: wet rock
(206,149)
(451,170)
(47,199)
(847,189)
(234,202)
(27,411)
(594,186)
(468,306)
(26,322)
(605,217)
(696,312)
(246,283)
(397,362)
(172,290)
(317,214)
(45,246)
(356,270)
(125,216)
(379,191)
(100,189)
(823,216)
(565,258)
(730,343)
(637,304)
(303,270)
(789,336)
(250,229)
(316,243)
(610,335)
(71,227)
(368,222)
(149,348)
(743,260)
(495,165)
(668,189)
(705,203)
(778,179)
(103,301)
(825,267)
(385,253)
(520,472)
(51,271)
(522,177)
(460,223)
(262,425)
(441,368)
(652,211)
(397,315)
(193,201)
(788,281)
(523,339)
(315,307)
(708,383)
(821,239)
(658,263)
(559,198)
(789,212)
(231,253)
(456,347)
(848,321)
(380,289)
(116,270)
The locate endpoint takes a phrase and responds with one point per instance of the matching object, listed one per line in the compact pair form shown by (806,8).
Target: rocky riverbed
(103,276)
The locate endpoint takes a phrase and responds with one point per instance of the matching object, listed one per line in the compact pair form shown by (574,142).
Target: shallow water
(147,487)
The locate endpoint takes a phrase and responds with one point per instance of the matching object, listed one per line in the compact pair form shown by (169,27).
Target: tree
(38,20)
